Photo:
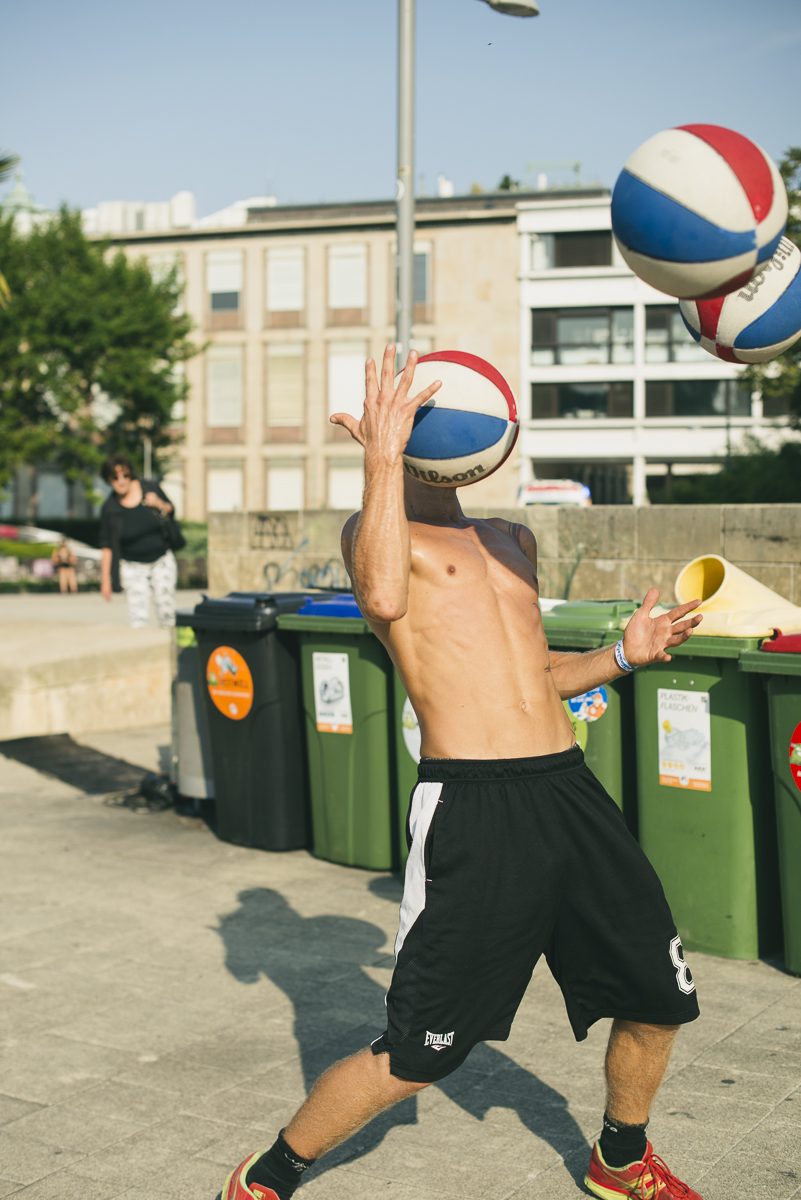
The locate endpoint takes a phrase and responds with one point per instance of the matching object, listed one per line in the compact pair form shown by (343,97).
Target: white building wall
(643,444)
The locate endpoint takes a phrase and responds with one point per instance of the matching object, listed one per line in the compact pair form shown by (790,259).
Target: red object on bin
(787,643)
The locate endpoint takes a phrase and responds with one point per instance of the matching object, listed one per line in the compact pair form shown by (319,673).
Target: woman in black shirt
(137,558)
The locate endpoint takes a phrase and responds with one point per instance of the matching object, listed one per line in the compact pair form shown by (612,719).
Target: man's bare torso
(471,649)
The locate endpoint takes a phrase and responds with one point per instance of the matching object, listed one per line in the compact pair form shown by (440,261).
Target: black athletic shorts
(509,859)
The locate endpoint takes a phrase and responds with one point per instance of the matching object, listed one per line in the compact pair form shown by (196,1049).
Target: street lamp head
(515,8)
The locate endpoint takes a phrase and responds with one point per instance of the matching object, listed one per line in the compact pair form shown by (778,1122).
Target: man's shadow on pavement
(317,962)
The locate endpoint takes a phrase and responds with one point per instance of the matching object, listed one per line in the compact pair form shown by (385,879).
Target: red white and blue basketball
(468,428)
(757,322)
(697,211)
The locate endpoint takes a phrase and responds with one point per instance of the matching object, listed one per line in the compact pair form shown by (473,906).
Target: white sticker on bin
(332,693)
(685,742)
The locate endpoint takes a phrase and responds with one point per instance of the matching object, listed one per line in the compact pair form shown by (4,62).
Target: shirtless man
(516,849)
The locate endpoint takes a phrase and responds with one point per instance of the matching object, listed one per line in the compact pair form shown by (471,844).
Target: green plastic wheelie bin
(781,673)
(347,699)
(603,718)
(705,792)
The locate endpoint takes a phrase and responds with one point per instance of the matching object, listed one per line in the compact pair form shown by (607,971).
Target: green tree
(7,164)
(90,347)
(757,475)
(779,380)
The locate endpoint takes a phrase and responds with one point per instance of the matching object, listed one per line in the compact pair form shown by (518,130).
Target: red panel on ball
(482,367)
(709,315)
(745,159)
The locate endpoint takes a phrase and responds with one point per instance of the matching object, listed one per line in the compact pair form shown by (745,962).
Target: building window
(224,288)
(667,338)
(286,286)
(581,336)
(224,393)
(345,485)
(284,416)
(422,284)
(345,383)
(286,483)
(347,284)
(587,248)
(696,398)
(581,401)
(224,489)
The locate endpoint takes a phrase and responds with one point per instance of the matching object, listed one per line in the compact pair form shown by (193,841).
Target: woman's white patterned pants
(138,579)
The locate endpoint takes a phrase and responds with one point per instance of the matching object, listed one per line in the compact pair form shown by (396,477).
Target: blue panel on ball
(452,433)
(649,222)
(694,333)
(781,321)
(768,251)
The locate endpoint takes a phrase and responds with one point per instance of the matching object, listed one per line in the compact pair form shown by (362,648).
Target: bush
(759,476)
(24,551)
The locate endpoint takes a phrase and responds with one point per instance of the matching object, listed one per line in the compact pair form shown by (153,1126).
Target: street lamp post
(405,182)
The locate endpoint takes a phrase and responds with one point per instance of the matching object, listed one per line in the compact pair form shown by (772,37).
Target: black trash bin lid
(249,612)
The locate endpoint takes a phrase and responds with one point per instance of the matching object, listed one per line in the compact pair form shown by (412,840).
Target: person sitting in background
(64,562)
(134,538)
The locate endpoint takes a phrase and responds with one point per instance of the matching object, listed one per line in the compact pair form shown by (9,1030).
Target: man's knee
(403,1087)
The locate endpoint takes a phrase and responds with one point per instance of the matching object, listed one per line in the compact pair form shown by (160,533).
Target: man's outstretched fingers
(649,600)
(681,610)
(388,368)
(350,423)
(427,393)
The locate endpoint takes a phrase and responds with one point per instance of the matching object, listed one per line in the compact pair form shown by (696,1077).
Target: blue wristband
(621,659)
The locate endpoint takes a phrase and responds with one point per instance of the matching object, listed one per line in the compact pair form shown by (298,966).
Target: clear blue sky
(109,100)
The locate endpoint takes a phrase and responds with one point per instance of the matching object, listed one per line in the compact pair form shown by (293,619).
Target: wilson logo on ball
(468,428)
(698,210)
(759,321)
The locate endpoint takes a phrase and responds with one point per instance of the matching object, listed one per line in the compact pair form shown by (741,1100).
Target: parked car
(554,491)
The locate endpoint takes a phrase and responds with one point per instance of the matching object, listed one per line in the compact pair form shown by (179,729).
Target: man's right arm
(375,542)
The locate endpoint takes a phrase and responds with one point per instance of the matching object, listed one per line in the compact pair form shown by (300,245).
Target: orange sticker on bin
(230,682)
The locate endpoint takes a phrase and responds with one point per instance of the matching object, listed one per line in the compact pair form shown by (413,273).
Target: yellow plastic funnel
(733,603)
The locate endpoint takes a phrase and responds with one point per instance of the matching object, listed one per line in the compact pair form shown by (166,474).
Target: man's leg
(636,1061)
(343,1099)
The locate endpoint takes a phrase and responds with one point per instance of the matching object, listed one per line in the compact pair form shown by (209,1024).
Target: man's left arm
(646,639)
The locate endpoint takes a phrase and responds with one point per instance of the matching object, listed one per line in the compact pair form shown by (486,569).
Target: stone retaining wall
(585,553)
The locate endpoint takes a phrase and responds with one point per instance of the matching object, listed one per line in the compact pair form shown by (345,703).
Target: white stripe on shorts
(424,803)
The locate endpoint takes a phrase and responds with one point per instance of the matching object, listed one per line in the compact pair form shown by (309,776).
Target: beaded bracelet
(621,659)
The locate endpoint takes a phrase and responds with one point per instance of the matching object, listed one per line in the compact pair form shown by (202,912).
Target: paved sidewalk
(167,999)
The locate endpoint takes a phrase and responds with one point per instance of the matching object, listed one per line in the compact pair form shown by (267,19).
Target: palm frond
(5,291)
(8,162)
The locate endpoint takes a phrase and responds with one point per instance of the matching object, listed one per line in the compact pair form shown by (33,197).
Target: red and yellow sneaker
(236,1186)
(646,1180)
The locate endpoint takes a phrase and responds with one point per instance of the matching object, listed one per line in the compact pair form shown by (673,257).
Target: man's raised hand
(388,418)
(647,639)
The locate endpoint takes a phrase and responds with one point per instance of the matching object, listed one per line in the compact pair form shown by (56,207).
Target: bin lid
(244,612)
(589,614)
(585,624)
(331,606)
(783,643)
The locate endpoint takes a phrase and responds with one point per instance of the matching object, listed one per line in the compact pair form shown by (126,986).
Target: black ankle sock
(622,1144)
(280,1169)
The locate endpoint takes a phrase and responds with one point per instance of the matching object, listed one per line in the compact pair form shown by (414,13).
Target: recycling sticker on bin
(795,755)
(591,706)
(685,740)
(332,693)
(230,682)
